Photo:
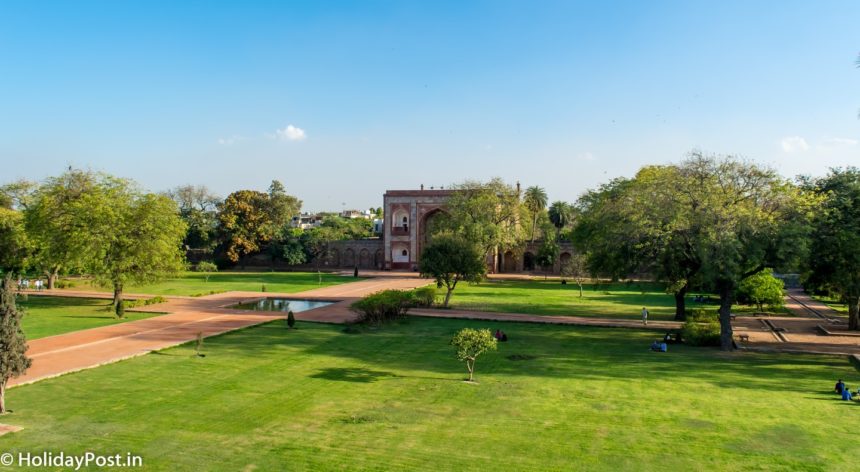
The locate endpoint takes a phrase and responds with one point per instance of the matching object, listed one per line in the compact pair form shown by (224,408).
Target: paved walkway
(567,320)
(800,333)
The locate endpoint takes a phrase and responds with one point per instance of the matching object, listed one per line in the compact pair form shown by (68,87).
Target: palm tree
(535,201)
(560,214)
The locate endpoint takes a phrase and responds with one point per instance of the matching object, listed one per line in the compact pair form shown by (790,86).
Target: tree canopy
(834,262)
(450,259)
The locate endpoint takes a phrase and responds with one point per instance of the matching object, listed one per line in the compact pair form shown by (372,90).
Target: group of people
(500,336)
(24,284)
(843,390)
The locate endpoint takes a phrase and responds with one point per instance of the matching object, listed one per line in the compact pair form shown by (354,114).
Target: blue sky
(342,100)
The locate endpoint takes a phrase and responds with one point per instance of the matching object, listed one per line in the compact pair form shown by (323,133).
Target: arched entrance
(528,261)
(510,262)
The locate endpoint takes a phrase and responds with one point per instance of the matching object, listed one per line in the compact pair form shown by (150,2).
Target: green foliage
(425,297)
(13,343)
(560,214)
(535,201)
(471,343)
(58,220)
(206,268)
(127,304)
(383,307)
(198,209)
(291,319)
(835,243)
(548,254)
(701,328)
(449,259)
(485,213)
(762,288)
(14,244)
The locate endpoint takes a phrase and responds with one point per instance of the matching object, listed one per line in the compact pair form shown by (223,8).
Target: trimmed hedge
(384,306)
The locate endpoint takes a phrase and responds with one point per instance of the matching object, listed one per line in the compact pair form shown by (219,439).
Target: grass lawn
(550,297)
(194,283)
(836,304)
(47,316)
(316,398)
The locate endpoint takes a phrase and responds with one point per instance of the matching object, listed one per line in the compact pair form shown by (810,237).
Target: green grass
(47,316)
(317,398)
(193,283)
(550,297)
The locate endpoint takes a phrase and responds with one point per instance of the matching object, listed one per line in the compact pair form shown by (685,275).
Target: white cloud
(588,156)
(839,142)
(291,133)
(794,144)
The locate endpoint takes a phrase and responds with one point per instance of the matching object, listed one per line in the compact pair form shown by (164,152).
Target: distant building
(353,214)
(306,221)
(404,234)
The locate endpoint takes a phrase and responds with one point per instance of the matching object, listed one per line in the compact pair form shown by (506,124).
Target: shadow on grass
(352,375)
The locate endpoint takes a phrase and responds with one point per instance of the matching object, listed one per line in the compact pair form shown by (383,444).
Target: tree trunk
(580,290)
(534,226)
(52,278)
(2,396)
(117,301)
(448,296)
(854,313)
(681,303)
(471,366)
(726,289)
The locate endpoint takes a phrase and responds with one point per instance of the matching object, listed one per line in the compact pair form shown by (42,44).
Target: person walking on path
(644,316)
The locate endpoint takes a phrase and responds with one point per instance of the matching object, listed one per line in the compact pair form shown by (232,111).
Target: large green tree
(487,214)
(245,223)
(137,236)
(750,217)
(14,245)
(13,343)
(57,219)
(535,200)
(450,259)
(834,262)
(198,208)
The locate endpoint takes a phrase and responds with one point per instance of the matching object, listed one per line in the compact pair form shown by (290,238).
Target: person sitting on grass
(504,337)
(840,386)
(498,335)
(846,394)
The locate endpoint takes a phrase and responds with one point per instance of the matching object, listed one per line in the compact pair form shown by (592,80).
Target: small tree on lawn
(761,288)
(470,344)
(575,269)
(13,344)
(450,259)
(206,268)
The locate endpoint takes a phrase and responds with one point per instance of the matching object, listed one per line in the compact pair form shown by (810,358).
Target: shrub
(760,289)
(206,268)
(425,297)
(701,328)
(384,306)
(64,284)
(143,302)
